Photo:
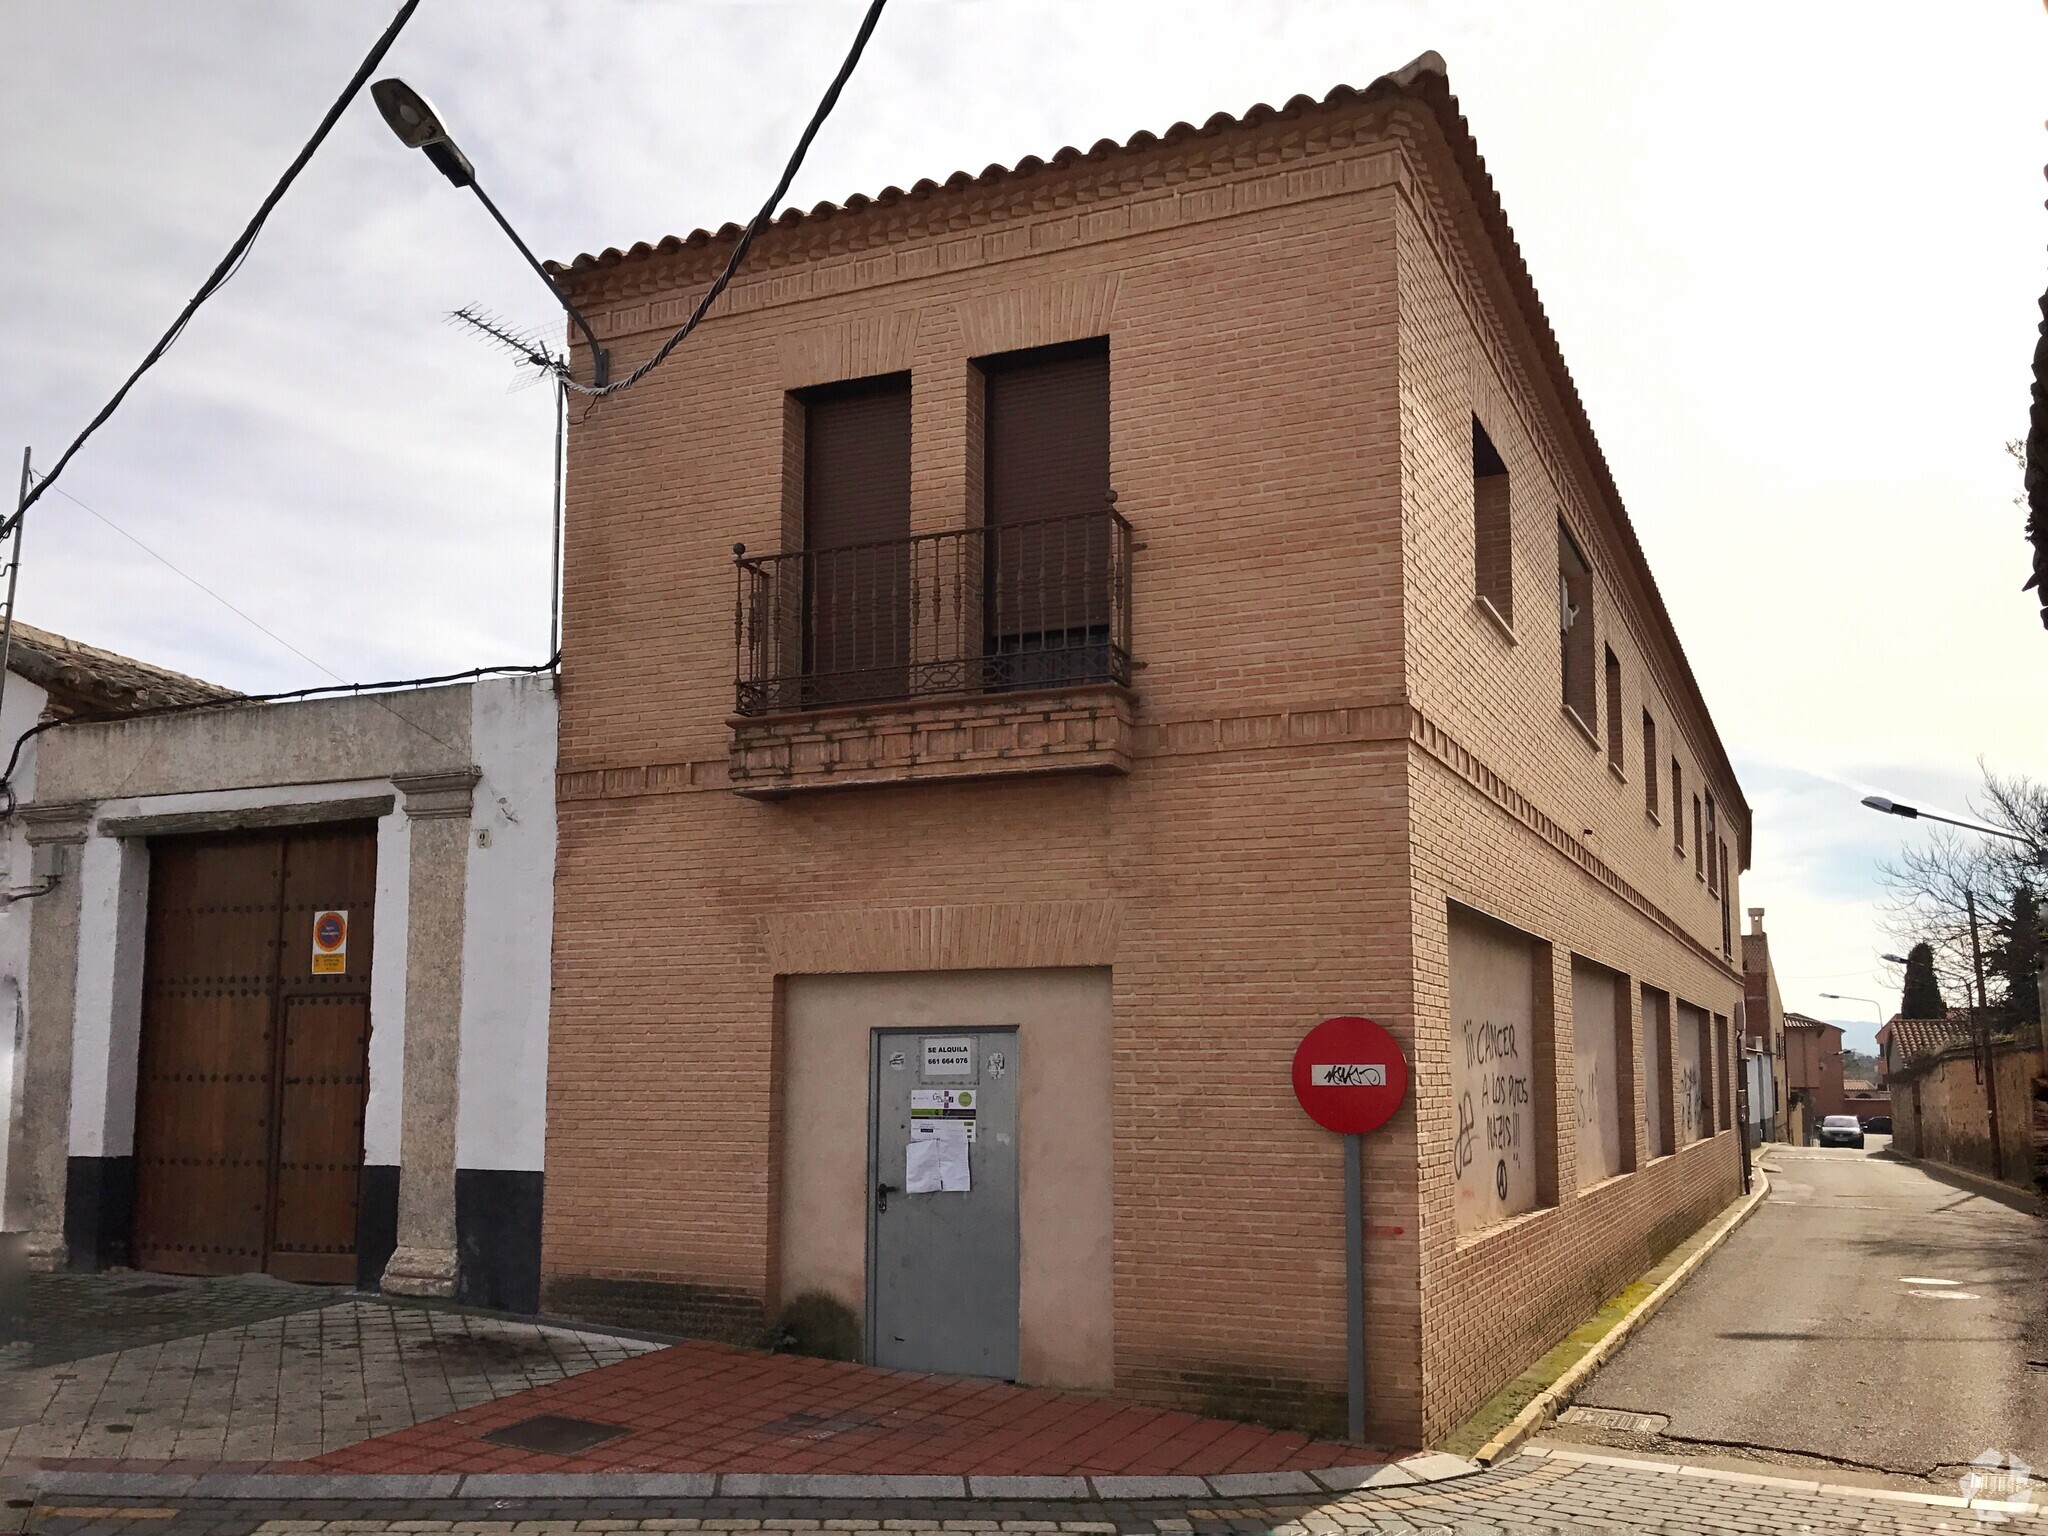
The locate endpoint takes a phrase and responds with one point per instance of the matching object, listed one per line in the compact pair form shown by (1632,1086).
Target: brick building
(1813,1067)
(965,777)
(1763,1034)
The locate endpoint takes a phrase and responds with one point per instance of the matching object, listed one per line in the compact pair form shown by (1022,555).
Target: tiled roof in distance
(83,678)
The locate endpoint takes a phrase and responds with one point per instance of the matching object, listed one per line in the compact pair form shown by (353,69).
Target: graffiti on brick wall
(1691,1110)
(1599,1016)
(1493,1155)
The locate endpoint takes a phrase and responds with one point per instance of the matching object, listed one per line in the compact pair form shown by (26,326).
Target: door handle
(882,1194)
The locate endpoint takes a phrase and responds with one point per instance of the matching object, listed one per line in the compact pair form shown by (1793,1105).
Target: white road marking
(1947,1295)
(1925,1280)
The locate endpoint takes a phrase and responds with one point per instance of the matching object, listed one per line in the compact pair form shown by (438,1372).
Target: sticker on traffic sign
(1350,1075)
(330,943)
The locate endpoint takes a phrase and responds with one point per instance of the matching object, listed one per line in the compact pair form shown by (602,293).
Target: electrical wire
(202,586)
(754,226)
(230,263)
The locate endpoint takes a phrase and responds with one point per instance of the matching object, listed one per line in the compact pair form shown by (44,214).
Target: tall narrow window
(1649,766)
(1727,907)
(1677,807)
(1616,758)
(1712,837)
(1575,627)
(1699,841)
(856,602)
(1047,583)
(1493,575)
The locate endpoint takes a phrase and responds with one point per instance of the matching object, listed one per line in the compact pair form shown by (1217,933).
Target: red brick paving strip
(700,1407)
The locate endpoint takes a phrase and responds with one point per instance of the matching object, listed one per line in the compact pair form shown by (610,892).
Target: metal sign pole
(1354,1281)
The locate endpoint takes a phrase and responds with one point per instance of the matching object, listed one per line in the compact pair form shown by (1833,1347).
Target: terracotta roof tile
(83,678)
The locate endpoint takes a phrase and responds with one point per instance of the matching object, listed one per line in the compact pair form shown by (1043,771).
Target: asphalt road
(1868,1314)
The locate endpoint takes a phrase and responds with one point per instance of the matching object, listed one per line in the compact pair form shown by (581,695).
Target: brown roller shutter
(856,519)
(1047,593)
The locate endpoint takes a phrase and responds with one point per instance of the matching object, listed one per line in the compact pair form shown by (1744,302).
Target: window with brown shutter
(856,519)
(1048,580)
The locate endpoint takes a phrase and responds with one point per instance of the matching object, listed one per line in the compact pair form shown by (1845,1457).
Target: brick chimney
(1756,922)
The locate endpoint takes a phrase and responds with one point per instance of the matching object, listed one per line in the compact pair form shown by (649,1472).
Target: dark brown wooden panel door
(323,1064)
(203,1095)
(856,519)
(253,1069)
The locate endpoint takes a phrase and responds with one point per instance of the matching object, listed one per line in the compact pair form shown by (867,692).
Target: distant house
(1813,1068)
(1942,1111)
(1763,1038)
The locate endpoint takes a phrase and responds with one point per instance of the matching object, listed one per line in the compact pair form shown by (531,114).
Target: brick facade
(1330,741)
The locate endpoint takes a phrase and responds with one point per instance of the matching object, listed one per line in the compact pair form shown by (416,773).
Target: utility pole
(10,539)
(1987,1064)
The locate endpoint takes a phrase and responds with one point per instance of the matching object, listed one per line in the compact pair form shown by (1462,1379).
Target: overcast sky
(1793,253)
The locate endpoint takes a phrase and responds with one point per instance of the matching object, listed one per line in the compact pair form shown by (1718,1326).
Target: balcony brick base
(1060,730)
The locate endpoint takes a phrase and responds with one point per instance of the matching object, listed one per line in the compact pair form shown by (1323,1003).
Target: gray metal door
(942,1261)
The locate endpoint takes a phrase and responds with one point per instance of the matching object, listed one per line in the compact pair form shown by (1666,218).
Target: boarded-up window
(1493,535)
(1494,1057)
(1724,1077)
(1694,1104)
(856,519)
(1727,906)
(1677,807)
(1047,587)
(1699,841)
(1575,628)
(1649,766)
(1657,1070)
(1601,1059)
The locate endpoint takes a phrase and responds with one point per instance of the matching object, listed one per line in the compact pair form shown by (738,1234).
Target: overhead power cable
(230,263)
(754,225)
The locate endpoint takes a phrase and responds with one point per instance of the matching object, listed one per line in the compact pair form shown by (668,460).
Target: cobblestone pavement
(69,1316)
(284,1388)
(1529,1494)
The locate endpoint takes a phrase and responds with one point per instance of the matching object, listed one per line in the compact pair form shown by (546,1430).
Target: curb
(1546,1405)
(1412,1471)
(1984,1508)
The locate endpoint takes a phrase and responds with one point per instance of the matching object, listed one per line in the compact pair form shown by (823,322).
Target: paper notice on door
(934,1165)
(942,1130)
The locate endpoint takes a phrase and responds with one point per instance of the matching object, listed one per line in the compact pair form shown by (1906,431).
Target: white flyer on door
(935,1165)
(942,1130)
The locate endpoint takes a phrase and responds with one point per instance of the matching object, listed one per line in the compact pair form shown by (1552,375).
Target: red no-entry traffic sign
(1350,1075)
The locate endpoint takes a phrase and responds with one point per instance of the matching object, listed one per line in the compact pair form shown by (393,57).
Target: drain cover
(555,1435)
(817,1426)
(1615,1419)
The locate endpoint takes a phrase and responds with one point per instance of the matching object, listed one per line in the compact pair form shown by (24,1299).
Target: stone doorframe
(437,810)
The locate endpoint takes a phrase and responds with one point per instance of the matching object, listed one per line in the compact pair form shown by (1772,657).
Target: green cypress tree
(1922,997)
(2015,954)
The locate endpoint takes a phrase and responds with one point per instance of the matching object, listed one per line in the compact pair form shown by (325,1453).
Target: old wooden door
(254,1064)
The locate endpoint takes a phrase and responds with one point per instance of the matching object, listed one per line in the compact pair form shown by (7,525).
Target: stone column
(40,1163)
(437,807)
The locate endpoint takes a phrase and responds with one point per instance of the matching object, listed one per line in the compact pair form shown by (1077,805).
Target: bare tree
(1926,885)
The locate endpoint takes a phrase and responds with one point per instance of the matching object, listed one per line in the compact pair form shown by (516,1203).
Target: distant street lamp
(419,127)
(1987,1065)
(1846,997)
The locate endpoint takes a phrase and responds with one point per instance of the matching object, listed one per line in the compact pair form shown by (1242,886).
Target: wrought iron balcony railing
(977,610)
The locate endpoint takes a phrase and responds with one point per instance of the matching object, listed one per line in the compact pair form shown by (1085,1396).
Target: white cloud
(1791,250)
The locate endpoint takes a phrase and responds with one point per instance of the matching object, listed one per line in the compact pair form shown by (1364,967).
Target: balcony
(958,654)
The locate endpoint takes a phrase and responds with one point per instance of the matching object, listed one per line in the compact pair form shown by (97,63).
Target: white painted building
(288,997)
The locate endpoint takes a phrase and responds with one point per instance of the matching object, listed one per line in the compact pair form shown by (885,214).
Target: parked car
(1878,1125)
(1841,1131)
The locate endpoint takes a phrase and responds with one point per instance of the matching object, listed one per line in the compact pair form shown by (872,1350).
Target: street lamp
(418,126)
(1987,1065)
(1899,808)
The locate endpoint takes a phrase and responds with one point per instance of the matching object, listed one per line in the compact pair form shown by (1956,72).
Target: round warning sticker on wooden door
(330,943)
